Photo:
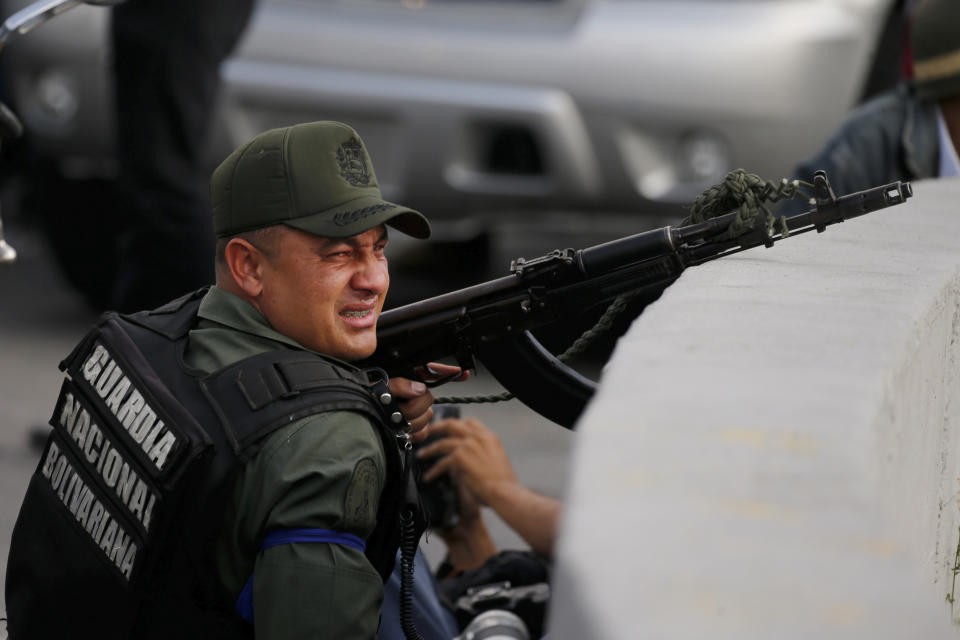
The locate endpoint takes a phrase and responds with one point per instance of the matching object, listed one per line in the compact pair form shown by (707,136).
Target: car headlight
(54,100)
(702,158)
(674,167)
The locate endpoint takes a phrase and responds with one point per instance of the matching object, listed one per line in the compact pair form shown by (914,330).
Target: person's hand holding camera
(474,457)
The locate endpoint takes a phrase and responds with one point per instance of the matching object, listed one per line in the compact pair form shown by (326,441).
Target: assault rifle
(491,322)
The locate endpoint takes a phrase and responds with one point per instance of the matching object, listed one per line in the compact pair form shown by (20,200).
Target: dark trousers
(167,57)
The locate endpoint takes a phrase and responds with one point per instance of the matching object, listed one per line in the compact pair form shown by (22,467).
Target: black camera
(439,497)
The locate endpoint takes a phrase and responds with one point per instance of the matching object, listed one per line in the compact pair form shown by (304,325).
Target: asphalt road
(41,318)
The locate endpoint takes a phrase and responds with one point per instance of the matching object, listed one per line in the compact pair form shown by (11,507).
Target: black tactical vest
(116,534)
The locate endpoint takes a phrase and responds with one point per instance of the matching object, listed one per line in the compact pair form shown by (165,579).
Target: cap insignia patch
(353,163)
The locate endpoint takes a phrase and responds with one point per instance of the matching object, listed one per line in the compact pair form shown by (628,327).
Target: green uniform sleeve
(322,472)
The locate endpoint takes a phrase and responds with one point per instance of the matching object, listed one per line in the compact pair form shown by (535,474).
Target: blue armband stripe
(289,536)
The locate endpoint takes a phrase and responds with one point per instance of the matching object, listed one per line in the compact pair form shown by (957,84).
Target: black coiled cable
(411,526)
(409,539)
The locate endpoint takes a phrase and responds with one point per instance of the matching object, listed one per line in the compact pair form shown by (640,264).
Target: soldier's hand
(415,399)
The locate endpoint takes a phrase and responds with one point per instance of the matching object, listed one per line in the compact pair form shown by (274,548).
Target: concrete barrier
(774,451)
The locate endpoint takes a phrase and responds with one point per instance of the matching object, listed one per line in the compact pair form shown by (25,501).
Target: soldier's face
(327,293)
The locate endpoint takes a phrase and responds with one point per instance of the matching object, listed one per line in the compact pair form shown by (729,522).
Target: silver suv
(485,105)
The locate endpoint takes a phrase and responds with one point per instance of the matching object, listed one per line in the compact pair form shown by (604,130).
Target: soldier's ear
(245,265)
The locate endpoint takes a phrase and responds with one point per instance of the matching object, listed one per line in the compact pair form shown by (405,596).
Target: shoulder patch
(362,497)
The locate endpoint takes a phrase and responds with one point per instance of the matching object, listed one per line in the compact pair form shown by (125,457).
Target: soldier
(217,468)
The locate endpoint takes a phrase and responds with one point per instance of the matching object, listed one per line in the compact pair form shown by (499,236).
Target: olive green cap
(935,44)
(316,177)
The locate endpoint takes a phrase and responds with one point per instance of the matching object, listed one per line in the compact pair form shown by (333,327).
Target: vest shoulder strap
(257,395)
